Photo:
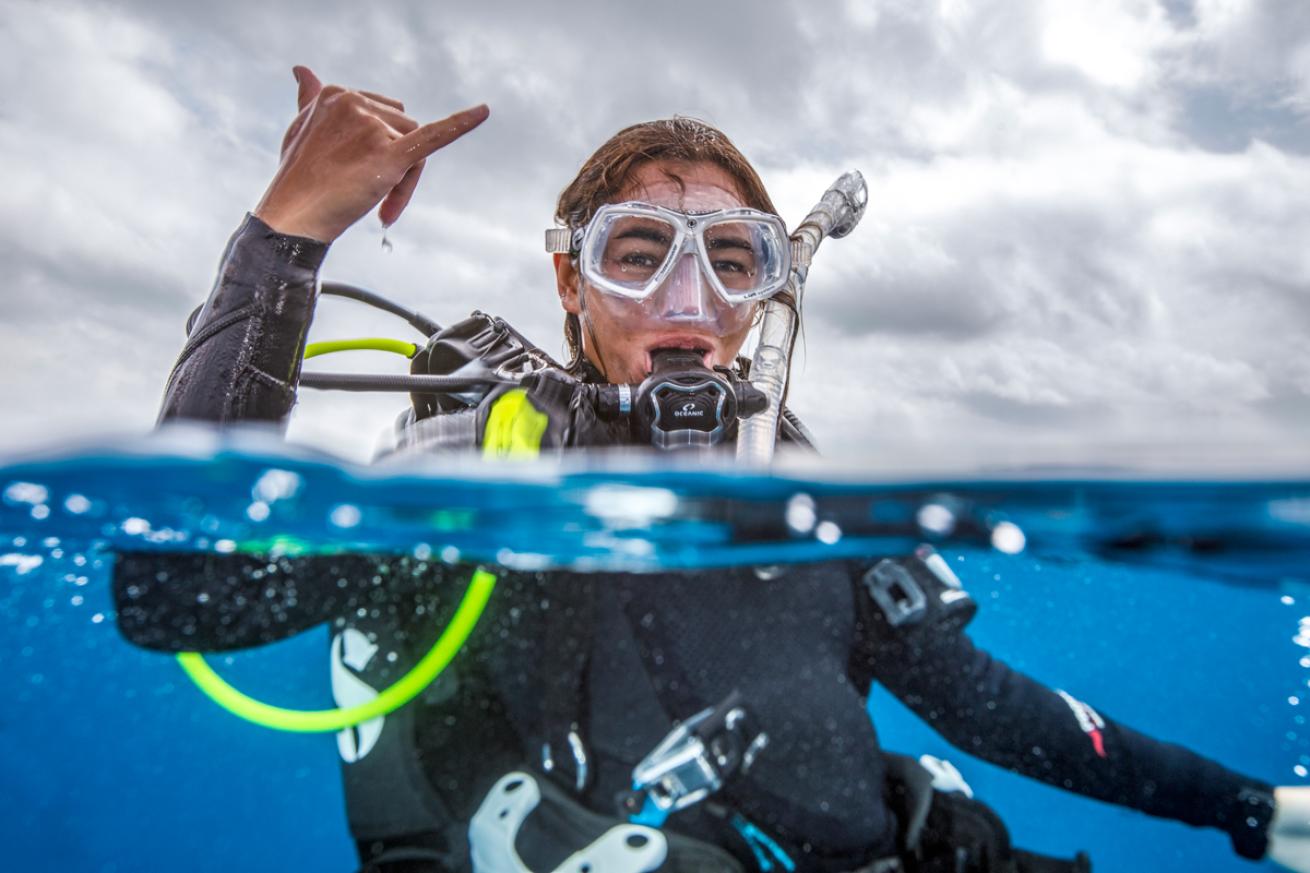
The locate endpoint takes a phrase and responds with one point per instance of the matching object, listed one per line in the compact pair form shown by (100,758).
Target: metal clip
(692,762)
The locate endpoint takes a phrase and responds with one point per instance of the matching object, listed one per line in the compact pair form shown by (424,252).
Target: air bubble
(1008,538)
(135,526)
(26,492)
(936,519)
(76,504)
(801,515)
(345,515)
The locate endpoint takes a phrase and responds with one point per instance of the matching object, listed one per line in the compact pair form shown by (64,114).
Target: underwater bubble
(629,506)
(450,555)
(422,551)
(1300,771)
(801,514)
(76,504)
(26,492)
(40,512)
(225,547)
(22,564)
(134,526)
(345,515)
(1008,538)
(274,485)
(527,562)
(827,532)
(936,519)
(98,618)
(1287,600)
(1294,700)
(257,511)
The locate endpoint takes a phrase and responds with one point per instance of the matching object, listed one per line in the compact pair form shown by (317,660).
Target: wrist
(289,259)
(292,224)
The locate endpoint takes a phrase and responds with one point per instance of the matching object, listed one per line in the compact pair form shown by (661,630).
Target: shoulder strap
(569,601)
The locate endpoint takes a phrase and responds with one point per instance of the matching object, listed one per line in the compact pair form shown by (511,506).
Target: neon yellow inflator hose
(403,691)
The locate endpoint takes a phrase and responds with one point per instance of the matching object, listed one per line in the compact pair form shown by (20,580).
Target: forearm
(982,706)
(178,602)
(242,358)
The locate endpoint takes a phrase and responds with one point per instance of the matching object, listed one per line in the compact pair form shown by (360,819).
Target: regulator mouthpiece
(682,404)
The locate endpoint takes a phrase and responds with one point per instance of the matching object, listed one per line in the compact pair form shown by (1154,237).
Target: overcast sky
(1088,231)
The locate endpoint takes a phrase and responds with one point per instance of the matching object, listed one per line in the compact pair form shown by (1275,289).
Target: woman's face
(621,351)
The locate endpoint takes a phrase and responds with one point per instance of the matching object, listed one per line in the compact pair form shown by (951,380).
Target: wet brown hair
(607,173)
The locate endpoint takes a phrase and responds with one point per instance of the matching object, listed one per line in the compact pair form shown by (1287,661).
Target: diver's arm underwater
(984,707)
(212,603)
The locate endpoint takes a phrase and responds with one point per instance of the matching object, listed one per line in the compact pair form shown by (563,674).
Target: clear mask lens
(632,249)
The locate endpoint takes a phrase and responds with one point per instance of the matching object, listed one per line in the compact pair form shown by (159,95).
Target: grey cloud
(1045,253)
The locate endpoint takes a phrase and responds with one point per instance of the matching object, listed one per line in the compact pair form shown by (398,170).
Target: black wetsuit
(803,649)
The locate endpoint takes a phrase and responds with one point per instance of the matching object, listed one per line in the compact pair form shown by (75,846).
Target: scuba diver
(707,721)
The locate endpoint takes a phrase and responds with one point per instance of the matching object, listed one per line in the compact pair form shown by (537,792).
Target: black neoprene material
(804,649)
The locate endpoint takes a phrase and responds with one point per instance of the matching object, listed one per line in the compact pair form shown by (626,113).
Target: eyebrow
(650,234)
(729,242)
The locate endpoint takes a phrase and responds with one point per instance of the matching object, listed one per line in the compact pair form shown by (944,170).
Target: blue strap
(759,842)
(650,815)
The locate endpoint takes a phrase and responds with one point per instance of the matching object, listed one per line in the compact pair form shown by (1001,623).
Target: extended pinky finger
(398,198)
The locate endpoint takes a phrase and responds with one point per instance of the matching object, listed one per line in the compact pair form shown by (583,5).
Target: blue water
(1174,607)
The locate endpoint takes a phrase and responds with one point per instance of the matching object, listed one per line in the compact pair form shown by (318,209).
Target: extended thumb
(309,85)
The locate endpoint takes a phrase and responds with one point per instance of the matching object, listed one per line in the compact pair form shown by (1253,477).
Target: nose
(683,295)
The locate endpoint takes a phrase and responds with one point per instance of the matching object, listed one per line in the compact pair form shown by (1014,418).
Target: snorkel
(835,215)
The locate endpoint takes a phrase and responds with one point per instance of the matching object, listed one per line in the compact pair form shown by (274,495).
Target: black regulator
(682,403)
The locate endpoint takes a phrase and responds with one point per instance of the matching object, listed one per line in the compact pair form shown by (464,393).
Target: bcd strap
(526,824)
(569,601)
(919,591)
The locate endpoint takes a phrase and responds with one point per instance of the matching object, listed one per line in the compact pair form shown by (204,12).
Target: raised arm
(344,153)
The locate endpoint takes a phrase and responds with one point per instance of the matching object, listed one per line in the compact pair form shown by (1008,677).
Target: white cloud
(1083,222)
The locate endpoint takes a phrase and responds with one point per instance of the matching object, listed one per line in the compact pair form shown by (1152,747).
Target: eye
(726,265)
(639,259)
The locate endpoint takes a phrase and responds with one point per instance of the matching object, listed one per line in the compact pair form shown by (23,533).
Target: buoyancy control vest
(404,818)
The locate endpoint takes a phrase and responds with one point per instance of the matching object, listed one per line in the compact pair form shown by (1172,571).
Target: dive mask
(652,264)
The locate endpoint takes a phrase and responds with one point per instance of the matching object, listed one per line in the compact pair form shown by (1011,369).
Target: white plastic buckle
(624,848)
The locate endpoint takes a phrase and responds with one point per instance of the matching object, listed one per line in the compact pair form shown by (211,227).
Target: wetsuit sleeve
(240,363)
(212,603)
(242,357)
(985,708)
